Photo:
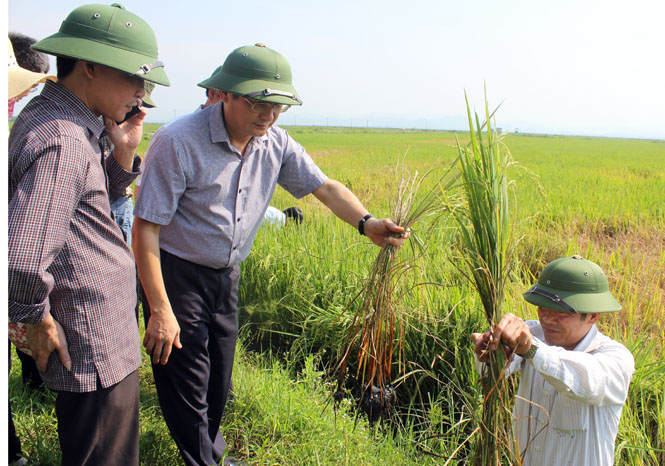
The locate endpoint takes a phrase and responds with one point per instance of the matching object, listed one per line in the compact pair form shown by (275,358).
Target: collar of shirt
(218,131)
(61,96)
(589,343)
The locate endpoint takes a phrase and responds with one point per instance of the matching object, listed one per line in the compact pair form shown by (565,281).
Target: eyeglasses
(265,107)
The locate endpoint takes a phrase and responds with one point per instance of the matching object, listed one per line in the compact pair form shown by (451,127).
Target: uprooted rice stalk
(377,329)
(487,246)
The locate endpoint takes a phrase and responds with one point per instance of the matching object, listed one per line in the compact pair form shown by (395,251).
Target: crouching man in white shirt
(574,380)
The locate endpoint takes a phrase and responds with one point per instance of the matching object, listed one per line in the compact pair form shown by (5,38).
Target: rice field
(601,198)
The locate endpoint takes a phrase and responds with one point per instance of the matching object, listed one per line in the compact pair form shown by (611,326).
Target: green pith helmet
(204,84)
(258,72)
(147,98)
(108,35)
(572,284)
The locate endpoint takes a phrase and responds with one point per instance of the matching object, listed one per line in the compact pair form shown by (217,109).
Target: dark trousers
(14,443)
(100,428)
(194,385)
(29,371)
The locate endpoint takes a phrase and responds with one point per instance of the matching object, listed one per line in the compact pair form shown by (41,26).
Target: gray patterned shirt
(66,253)
(209,198)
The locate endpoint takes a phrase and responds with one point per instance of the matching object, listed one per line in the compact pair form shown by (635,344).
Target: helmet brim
(148,102)
(240,85)
(64,45)
(583,303)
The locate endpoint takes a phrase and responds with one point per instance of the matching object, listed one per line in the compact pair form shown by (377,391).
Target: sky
(580,67)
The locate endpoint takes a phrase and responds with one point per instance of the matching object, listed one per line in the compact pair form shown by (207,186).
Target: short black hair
(294,213)
(65,66)
(31,60)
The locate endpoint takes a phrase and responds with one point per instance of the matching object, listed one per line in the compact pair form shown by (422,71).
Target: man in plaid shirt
(71,275)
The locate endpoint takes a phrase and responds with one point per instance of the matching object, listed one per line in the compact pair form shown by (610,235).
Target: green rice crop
(378,328)
(572,209)
(487,251)
(602,198)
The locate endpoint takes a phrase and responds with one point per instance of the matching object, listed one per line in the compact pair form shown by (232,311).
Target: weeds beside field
(278,417)
(601,198)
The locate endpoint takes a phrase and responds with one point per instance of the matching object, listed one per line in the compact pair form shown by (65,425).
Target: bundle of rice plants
(486,258)
(377,327)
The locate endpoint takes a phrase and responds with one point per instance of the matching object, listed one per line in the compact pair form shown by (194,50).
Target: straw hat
(21,80)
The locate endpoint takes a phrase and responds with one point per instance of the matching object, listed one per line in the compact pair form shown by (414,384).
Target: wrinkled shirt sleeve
(299,175)
(119,178)
(163,183)
(39,215)
(595,378)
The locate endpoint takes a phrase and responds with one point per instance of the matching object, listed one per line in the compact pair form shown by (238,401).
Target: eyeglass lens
(264,107)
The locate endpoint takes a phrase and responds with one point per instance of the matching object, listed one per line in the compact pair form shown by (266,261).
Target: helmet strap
(553,297)
(147,68)
(270,92)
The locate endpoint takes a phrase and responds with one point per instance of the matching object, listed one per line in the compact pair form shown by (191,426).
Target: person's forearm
(145,239)
(162,332)
(120,177)
(341,201)
(125,157)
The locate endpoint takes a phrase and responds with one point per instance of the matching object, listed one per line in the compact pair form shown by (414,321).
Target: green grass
(602,198)
(281,419)
(597,197)
(279,416)
(595,179)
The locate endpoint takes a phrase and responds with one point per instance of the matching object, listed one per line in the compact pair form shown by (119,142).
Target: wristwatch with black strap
(361,224)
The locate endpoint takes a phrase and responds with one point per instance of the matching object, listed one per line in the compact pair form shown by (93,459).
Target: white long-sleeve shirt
(569,403)
(273,216)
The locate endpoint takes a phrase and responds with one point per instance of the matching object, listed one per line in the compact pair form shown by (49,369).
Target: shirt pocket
(569,417)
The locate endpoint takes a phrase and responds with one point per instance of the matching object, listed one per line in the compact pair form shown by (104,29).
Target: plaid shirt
(66,253)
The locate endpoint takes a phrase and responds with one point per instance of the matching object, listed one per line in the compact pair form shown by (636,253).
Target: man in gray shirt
(208,180)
